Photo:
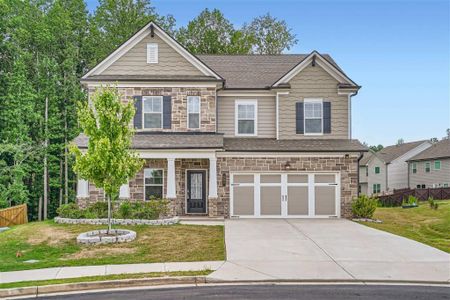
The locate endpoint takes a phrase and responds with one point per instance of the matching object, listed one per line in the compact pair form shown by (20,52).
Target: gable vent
(152,53)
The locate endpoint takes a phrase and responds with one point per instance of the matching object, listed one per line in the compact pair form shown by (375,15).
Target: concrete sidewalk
(74,272)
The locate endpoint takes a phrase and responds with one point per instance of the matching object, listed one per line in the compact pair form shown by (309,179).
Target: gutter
(361,154)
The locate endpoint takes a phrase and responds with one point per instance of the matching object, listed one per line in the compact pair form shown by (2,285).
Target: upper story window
(153,183)
(313,110)
(246,117)
(414,167)
(193,112)
(152,111)
(427,167)
(377,170)
(152,53)
(437,164)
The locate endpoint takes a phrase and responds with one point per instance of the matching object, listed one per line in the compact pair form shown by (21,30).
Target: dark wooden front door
(196,192)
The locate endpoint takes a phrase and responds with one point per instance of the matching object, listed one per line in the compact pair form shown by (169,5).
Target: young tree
(271,36)
(108,161)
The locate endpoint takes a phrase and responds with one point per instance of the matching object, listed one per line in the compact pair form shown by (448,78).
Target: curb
(183,280)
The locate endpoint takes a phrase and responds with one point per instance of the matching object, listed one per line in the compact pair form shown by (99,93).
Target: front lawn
(423,224)
(54,245)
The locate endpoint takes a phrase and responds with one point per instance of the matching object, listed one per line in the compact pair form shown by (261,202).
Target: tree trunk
(108,197)
(66,163)
(45,160)
(40,209)
(60,182)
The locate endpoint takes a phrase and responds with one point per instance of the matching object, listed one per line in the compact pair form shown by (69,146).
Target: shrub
(97,210)
(125,210)
(71,211)
(364,206)
(410,201)
(433,205)
(150,210)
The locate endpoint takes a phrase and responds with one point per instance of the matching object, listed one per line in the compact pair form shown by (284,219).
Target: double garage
(285,195)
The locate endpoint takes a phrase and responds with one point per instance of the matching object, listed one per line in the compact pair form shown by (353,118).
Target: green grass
(102,278)
(422,224)
(54,245)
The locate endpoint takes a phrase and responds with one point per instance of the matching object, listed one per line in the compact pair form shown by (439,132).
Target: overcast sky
(399,51)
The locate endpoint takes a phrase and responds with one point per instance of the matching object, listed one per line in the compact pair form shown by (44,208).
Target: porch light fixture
(287,166)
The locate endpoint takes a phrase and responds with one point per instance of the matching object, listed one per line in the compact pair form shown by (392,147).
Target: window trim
(238,102)
(143,113)
(414,168)
(155,46)
(199,112)
(312,100)
(429,167)
(162,184)
(375,170)
(434,165)
(376,188)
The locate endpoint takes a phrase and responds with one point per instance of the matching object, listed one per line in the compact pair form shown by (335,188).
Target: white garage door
(284,195)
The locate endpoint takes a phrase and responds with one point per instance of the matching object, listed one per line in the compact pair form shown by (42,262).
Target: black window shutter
(326,117)
(138,114)
(299,118)
(167,112)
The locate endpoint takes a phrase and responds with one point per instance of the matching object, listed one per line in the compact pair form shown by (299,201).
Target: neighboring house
(431,167)
(386,170)
(234,135)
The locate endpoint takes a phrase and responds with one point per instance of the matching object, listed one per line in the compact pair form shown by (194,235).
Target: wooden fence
(396,198)
(13,215)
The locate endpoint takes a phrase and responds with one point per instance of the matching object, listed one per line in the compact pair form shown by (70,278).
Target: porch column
(82,188)
(212,178)
(171,184)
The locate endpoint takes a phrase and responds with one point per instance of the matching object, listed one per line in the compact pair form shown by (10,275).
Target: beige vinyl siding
(134,62)
(435,177)
(313,82)
(266,115)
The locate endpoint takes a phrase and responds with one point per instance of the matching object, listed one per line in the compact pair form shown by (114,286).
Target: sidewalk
(74,272)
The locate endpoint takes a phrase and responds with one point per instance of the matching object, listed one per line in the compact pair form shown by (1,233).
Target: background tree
(376,148)
(108,161)
(212,33)
(270,36)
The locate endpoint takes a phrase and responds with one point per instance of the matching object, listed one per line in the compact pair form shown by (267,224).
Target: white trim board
(139,36)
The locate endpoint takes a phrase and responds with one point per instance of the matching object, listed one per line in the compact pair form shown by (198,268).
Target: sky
(398,51)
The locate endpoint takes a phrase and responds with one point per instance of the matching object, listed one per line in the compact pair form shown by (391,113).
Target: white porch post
(212,178)
(171,184)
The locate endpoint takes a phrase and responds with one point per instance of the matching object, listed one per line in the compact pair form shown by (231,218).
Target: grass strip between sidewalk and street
(102,278)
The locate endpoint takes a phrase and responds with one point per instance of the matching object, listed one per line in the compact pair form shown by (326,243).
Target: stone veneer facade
(221,206)
(179,105)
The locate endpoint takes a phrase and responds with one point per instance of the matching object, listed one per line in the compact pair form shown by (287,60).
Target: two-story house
(386,170)
(431,167)
(234,135)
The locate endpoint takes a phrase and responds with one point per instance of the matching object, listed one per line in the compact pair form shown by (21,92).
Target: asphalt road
(311,292)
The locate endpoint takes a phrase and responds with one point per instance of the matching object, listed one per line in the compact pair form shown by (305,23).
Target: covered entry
(283,195)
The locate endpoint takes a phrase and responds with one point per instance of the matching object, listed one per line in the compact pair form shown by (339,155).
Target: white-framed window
(246,117)
(152,53)
(427,167)
(437,165)
(153,184)
(193,112)
(414,167)
(313,116)
(376,188)
(152,112)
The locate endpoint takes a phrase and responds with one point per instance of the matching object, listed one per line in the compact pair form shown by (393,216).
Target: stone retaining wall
(170,221)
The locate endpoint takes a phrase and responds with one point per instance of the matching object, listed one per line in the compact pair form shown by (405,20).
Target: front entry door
(196,192)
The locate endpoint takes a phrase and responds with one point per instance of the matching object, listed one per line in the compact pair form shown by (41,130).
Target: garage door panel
(325,200)
(243,178)
(243,200)
(297,200)
(324,178)
(270,178)
(297,178)
(270,200)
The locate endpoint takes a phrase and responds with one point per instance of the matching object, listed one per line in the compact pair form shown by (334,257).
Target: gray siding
(313,82)
(435,177)
(134,62)
(266,115)
(376,178)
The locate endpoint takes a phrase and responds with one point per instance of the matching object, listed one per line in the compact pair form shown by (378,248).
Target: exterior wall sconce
(287,166)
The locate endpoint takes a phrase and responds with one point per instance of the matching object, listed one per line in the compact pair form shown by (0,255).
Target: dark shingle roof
(390,153)
(168,141)
(366,157)
(438,150)
(254,71)
(311,145)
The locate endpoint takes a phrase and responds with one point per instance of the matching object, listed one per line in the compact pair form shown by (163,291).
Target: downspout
(361,154)
(350,114)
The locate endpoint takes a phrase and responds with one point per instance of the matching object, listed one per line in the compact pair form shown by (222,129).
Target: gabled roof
(366,158)
(440,149)
(390,153)
(137,37)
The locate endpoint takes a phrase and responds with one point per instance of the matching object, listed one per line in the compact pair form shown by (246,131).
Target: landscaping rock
(99,237)
(367,220)
(169,221)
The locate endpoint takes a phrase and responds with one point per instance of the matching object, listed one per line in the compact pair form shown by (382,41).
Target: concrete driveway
(300,249)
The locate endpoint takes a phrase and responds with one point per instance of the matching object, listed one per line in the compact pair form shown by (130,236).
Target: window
(437,164)
(367,171)
(152,53)
(376,188)
(377,170)
(414,167)
(427,167)
(153,183)
(445,184)
(421,186)
(313,116)
(152,112)
(193,111)
(246,117)
(418,186)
